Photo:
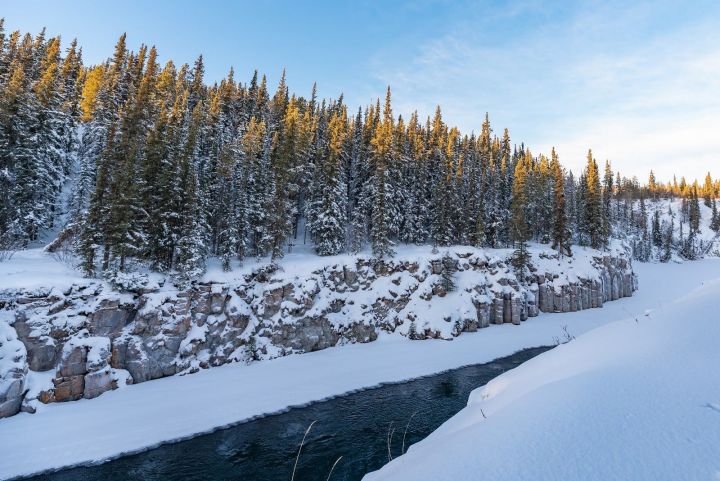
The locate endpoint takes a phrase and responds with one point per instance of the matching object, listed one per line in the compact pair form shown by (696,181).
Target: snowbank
(637,399)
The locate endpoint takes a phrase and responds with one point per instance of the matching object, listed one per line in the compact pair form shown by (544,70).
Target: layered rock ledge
(63,345)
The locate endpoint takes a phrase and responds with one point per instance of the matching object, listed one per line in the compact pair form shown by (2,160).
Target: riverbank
(134,419)
(352,428)
(636,399)
(76,338)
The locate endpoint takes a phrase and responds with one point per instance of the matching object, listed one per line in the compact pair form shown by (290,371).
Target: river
(355,428)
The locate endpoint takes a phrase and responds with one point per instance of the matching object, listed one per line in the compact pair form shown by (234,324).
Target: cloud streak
(639,85)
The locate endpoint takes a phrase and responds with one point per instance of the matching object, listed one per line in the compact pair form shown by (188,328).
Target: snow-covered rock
(96,337)
(13,369)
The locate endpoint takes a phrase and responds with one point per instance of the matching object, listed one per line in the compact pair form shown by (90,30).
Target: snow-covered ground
(670,213)
(637,399)
(171,408)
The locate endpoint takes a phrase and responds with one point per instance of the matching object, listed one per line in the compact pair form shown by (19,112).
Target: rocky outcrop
(95,338)
(13,370)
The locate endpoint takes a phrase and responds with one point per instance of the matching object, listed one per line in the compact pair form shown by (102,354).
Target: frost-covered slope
(637,399)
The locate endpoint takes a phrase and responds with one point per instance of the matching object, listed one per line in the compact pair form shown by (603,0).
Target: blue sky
(639,82)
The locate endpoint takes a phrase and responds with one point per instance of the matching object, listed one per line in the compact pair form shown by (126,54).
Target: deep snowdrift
(637,399)
(174,407)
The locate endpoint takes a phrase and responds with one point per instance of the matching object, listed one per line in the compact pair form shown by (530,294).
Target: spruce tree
(667,242)
(607,194)
(594,215)
(358,175)
(694,211)
(656,233)
(561,234)
(328,228)
(715,219)
(191,248)
(171,170)
(383,149)
(519,230)
(708,190)
(259,185)
(441,181)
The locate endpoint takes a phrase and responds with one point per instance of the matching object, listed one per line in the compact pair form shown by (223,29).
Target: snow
(12,357)
(35,383)
(634,399)
(146,414)
(35,268)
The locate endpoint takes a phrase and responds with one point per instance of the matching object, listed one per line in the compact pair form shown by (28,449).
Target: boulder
(306,335)
(42,350)
(73,362)
(109,319)
(97,382)
(70,388)
(11,395)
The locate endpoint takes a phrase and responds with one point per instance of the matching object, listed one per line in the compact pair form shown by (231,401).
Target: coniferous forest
(135,163)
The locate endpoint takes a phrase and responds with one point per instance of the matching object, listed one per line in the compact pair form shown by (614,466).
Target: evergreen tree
(667,243)
(715,219)
(328,228)
(259,185)
(191,249)
(652,185)
(383,149)
(171,170)
(441,181)
(593,212)
(656,233)
(561,233)
(357,178)
(519,230)
(607,200)
(708,190)
(694,211)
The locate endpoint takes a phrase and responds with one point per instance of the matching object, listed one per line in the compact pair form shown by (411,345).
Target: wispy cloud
(640,84)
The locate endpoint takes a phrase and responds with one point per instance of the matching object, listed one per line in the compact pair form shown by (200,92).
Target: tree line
(167,170)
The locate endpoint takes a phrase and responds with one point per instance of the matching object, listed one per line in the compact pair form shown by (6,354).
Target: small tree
(251,349)
(519,230)
(656,234)
(667,243)
(448,266)
(715,222)
(412,331)
(457,328)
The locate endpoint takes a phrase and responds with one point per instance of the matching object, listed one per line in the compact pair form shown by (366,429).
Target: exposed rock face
(69,388)
(109,319)
(96,339)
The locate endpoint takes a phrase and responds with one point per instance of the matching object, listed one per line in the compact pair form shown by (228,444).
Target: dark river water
(355,426)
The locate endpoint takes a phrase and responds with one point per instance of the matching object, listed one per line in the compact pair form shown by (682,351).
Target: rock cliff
(63,345)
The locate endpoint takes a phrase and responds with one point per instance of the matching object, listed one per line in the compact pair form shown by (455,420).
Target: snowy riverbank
(79,338)
(636,399)
(171,408)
